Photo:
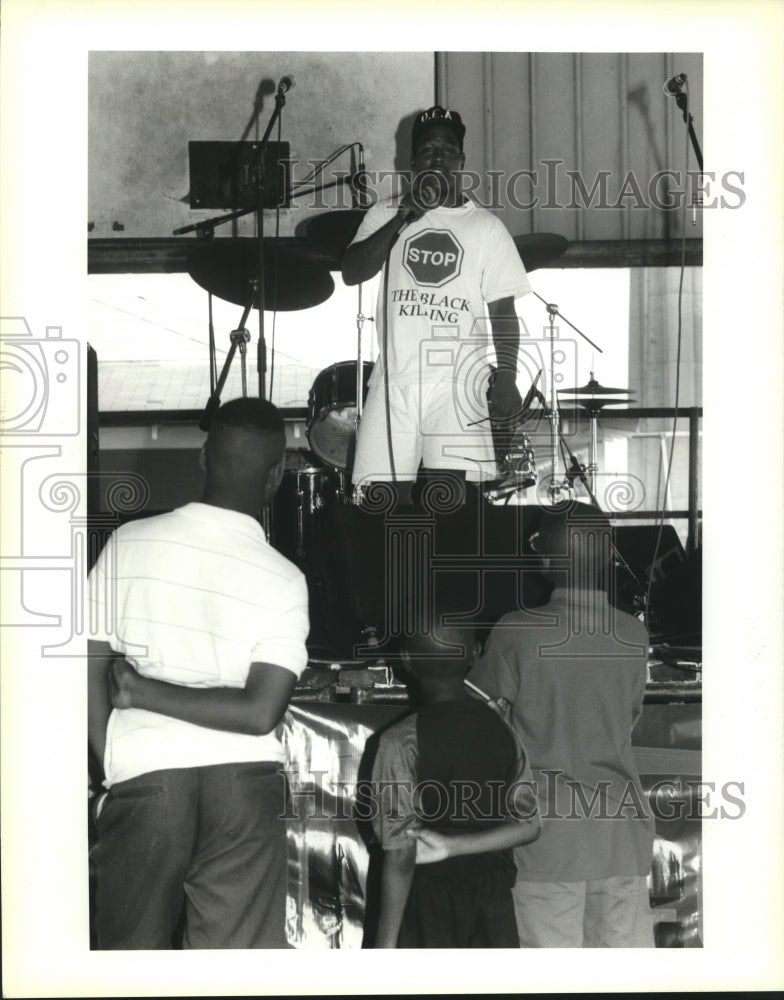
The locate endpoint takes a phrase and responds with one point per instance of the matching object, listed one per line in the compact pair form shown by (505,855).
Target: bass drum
(332,412)
(297,510)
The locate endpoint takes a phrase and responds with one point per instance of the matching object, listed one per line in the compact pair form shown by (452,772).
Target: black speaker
(385,567)
(674,611)
(226,174)
(637,543)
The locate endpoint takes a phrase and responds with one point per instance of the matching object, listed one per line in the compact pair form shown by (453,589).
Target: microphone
(359,181)
(286,84)
(672,87)
(429,190)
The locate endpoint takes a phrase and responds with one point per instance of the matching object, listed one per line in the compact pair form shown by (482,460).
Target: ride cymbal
(331,232)
(292,279)
(539,249)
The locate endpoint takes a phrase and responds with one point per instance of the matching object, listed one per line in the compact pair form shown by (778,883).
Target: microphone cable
(275,288)
(385,356)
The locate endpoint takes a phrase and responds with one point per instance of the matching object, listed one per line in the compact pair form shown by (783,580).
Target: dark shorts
(467,906)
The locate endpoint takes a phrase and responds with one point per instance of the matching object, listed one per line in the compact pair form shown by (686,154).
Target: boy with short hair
(213,621)
(574,673)
(454,796)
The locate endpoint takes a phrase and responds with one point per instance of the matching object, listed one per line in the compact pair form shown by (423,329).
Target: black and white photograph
(392,551)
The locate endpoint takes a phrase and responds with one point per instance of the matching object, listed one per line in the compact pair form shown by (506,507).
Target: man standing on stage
(451,272)
(199,637)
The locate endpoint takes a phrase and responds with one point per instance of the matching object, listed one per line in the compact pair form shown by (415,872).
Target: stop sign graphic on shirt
(432,257)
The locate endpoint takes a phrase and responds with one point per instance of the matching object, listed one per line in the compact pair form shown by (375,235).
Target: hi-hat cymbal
(331,232)
(539,249)
(594,388)
(292,279)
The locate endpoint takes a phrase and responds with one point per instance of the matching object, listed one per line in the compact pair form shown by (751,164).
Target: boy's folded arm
(254,709)
(396,874)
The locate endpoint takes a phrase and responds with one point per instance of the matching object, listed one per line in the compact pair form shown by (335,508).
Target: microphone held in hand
(430,189)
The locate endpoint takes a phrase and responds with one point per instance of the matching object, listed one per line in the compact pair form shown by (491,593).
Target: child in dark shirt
(453,794)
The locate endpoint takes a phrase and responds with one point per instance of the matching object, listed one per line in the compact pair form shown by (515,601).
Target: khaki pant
(601,913)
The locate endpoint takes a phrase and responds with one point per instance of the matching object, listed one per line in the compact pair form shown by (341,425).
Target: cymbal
(538,249)
(292,278)
(331,232)
(597,402)
(594,388)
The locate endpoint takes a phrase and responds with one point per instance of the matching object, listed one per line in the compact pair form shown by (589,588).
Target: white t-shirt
(194,597)
(443,270)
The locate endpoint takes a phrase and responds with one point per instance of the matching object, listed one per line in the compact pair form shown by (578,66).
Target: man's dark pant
(209,837)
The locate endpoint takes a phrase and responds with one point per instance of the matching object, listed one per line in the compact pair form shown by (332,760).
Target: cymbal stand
(593,406)
(361,320)
(594,409)
(577,471)
(261,357)
(557,489)
(593,446)
(360,381)
(239,339)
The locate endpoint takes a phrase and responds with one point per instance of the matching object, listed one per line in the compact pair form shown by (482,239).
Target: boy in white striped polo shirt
(199,630)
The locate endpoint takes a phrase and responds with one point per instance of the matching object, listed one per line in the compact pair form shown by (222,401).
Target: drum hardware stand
(519,461)
(577,471)
(361,320)
(593,446)
(556,489)
(593,404)
(239,339)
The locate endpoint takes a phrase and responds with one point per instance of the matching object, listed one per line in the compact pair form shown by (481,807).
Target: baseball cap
(436,115)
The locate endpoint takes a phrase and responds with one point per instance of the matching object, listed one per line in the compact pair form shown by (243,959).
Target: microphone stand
(682,100)
(261,357)
(207,229)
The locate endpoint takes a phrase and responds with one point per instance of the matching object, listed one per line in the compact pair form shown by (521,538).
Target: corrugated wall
(544,128)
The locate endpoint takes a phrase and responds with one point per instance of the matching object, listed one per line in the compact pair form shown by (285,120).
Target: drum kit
(593,397)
